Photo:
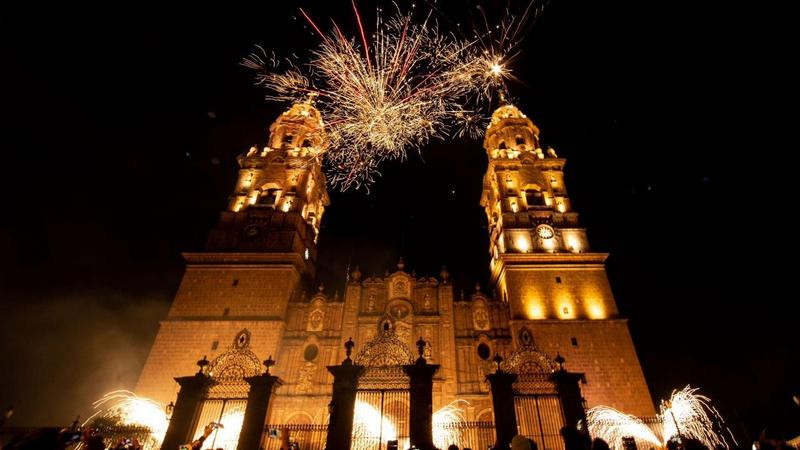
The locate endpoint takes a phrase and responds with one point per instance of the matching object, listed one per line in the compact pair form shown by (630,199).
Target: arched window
(269,197)
(306,143)
(502,146)
(534,197)
(519,140)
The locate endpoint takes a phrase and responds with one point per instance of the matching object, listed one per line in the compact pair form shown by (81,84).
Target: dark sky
(121,123)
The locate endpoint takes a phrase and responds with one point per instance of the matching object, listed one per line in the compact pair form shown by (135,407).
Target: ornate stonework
(385,349)
(236,363)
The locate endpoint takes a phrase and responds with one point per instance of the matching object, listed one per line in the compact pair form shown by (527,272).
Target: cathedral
(242,301)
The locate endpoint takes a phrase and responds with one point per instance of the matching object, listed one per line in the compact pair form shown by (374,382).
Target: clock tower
(542,267)
(254,261)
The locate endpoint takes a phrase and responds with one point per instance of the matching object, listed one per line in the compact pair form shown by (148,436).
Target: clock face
(545,231)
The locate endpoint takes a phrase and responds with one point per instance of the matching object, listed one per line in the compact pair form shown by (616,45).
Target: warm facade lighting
(565,310)
(595,310)
(535,310)
(523,244)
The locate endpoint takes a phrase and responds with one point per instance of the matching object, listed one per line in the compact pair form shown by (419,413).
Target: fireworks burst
(126,409)
(444,420)
(411,82)
(611,425)
(369,427)
(690,415)
(687,414)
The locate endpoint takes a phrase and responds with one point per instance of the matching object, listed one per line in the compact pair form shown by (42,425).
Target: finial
(551,152)
(202,364)
(497,360)
(311,98)
(356,274)
(321,287)
(444,274)
(421,347)
(502,94)
(401,264)
(560,361)
(348,347)
(477,287)
(269,362)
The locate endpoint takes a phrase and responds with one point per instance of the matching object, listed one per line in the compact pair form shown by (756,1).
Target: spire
(501,93)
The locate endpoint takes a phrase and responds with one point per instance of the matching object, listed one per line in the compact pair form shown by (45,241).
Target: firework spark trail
(611,425)
(444,432)
(130,409)
(690,415)
(379,99)
(687,414)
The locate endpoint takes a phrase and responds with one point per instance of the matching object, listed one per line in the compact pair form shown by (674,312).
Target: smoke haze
(65,352)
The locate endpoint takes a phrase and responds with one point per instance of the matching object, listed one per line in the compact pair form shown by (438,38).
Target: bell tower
(280,194)
(253,264)
(529,212)
(543,269)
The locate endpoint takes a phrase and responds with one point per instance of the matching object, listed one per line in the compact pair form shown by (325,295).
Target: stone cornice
(553,258)
(244,259)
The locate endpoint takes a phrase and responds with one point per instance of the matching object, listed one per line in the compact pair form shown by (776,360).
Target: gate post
(343,401)
(255,415)
(421,400)
(569,393)
(505,415)
(193,389)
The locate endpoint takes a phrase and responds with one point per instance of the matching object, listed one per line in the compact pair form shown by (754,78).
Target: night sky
(121,123)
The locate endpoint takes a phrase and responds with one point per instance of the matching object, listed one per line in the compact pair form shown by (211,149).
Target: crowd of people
(93,439)
(90,438)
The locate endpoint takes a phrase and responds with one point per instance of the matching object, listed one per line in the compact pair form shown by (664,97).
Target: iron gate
(381,412)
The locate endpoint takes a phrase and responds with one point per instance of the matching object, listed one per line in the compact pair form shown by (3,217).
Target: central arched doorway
(226,400)
(381,411)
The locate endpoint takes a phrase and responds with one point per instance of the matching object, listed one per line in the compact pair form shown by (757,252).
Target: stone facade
(547,289)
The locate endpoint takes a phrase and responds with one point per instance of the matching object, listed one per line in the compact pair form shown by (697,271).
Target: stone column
(572,403)
(255,415)
(505,415)
(421,400)
(193,390)
(343,401)
(569,392)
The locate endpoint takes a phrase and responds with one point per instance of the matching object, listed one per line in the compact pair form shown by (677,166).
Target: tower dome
(300,129)
(510,133)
